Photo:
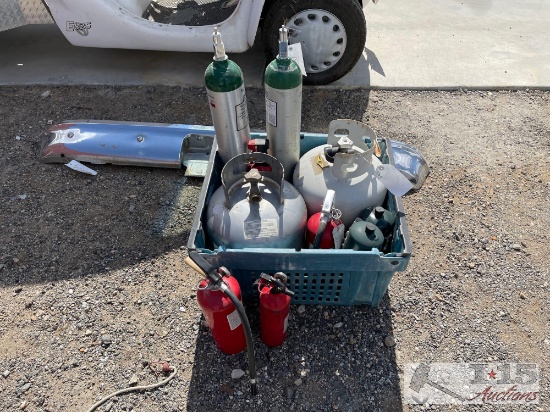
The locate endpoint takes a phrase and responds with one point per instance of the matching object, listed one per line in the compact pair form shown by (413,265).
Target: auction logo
(81,28)
(471,383)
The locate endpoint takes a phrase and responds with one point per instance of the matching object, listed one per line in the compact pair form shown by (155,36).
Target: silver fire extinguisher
(225,88)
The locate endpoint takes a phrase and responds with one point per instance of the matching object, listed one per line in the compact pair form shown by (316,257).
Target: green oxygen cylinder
(283,106)
(224,83)
(382,218)
(363,236)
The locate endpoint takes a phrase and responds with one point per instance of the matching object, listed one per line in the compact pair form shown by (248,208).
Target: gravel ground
(92,280)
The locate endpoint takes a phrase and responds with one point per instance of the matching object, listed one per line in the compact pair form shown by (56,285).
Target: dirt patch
(92,280)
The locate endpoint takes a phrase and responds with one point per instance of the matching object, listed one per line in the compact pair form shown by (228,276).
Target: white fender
(109,24)
(254,20)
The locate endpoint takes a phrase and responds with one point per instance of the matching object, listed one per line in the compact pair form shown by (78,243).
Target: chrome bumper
(126,143)
(168,145)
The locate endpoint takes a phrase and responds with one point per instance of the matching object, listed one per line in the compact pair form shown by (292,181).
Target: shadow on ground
(337,352)
(58,224)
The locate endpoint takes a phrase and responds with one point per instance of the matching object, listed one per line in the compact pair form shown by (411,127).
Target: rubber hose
(319,235)
(134,389)
(248,335)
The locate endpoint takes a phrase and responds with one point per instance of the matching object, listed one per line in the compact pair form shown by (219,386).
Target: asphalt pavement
(430,44)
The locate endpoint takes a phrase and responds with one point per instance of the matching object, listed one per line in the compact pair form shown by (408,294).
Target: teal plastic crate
(317,276)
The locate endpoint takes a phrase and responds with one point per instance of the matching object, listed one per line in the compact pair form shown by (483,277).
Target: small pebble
(18,289)
(25,387)
(106,340)
(298,382)
(301,309)
(6,373)
(133,380)
(516,246)
(522,295)
(47,93)
(389,341)
(237,374)
(338,325)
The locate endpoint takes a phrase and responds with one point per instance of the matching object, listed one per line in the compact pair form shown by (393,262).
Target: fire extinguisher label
(271,110)
(234,320)
(285,324)
(254,229)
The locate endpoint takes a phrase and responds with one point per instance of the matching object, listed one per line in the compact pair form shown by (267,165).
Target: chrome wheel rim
(322,36)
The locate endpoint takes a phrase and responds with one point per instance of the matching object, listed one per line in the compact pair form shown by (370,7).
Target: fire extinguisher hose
(248,335)
(198,263)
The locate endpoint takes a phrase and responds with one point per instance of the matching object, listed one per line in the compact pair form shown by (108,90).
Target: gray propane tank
(347,166)
(255,208)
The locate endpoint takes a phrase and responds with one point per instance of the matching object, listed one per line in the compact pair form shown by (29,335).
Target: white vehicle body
(332,32)
(119,24)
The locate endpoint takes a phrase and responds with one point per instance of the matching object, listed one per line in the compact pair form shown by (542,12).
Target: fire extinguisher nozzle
(197,262)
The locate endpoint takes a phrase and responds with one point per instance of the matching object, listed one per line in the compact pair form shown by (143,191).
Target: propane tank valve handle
(254,177)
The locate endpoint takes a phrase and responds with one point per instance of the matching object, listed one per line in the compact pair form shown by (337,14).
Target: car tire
(332,34)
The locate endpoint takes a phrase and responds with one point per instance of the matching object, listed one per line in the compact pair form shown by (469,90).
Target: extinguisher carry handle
(288,292)
(280,286)
(206,268)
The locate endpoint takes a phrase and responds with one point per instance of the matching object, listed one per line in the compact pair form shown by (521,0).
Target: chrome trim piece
(410,162)
(169,145)
(125,143)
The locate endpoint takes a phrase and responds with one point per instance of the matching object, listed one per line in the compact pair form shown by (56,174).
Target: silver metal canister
(283,104)
(225,88)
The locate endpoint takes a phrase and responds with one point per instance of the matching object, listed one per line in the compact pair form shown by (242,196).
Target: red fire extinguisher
(220,313)
(274,307)
(324,229)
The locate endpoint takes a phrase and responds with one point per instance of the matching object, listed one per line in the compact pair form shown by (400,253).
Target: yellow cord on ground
(134,389)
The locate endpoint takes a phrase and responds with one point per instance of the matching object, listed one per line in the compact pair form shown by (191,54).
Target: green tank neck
(283,74)
(223,76)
